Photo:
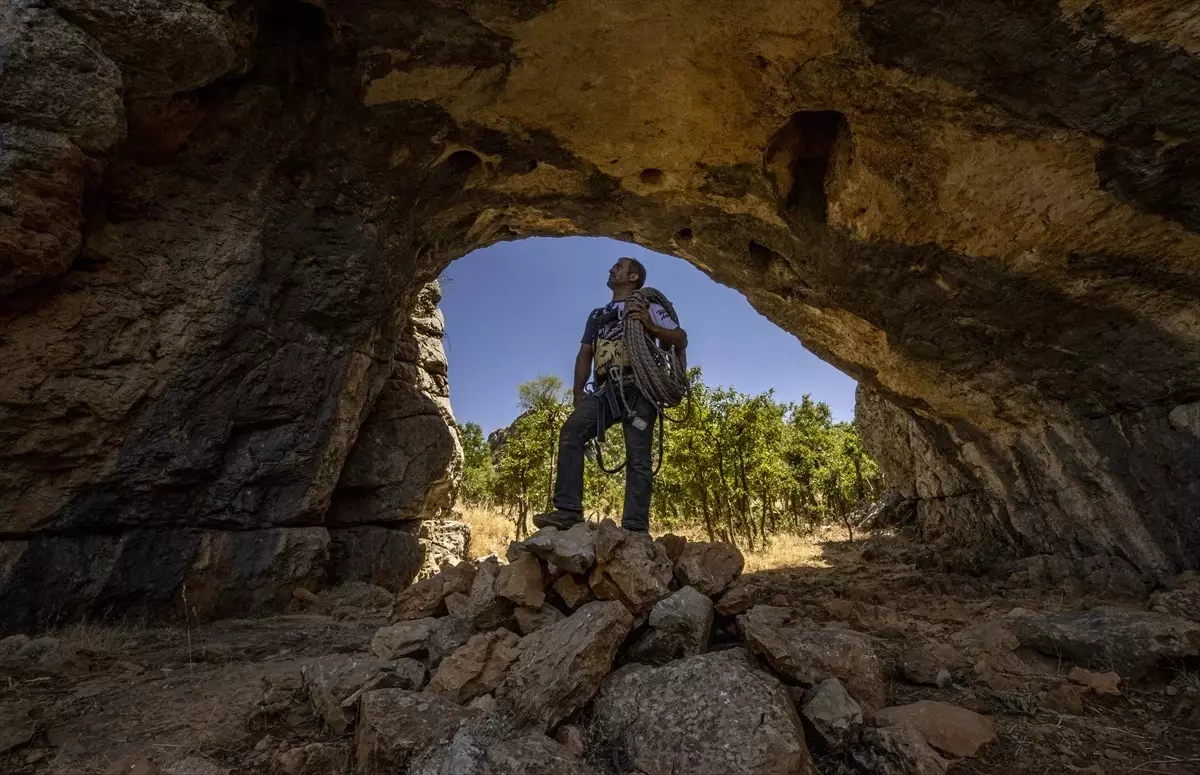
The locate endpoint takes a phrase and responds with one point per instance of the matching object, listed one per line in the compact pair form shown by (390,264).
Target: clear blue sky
(516,310)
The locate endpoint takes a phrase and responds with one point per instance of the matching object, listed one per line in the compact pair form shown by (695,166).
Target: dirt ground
(225,697)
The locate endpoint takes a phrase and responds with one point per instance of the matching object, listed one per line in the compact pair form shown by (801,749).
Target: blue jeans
(597,411)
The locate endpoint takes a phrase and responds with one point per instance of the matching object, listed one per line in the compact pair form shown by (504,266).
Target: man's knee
(578,426)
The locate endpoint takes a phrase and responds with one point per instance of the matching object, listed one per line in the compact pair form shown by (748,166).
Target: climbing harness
(659,374)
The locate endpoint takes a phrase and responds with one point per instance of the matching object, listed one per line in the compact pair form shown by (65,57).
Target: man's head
(627,272)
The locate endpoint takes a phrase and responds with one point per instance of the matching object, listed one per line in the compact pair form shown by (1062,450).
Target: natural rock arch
(218,220)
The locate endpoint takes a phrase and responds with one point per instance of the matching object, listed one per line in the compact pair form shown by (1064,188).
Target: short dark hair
(641,271)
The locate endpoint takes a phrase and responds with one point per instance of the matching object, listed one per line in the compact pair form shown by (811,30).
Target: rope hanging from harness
(659,374)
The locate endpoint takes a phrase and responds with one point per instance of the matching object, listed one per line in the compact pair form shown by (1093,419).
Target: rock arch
(219,220)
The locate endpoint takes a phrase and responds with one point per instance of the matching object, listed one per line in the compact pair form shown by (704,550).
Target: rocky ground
(599,652)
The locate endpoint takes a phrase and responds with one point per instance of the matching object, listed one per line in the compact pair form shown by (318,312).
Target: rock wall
(216,220)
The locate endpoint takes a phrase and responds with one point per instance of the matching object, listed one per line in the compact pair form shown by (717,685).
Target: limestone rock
(738,598)
(573,550)
(572,590)
(709,567)
(560,666)
(535,755)
(315,759)
(530,620)
(635,570)
(954,731)
(832,714)
(809,655)
(458,604)
(1183,599)
(403,639)
(712,714)
(898,750)
(522,582)
(1130,642)
(1064,698)
(919,665)
(1100,683)
(673,544)
(486,609)
(427,597)
(476,667)
(390,557)
(329,680)
(16,727)
(680,626)
(397,726)
(446,635)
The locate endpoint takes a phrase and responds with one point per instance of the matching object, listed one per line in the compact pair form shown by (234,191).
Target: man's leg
(639,477)
(579,429)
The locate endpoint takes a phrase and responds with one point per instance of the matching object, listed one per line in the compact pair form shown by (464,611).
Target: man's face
(622,273)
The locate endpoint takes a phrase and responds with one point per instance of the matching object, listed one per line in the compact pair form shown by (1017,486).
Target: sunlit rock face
(218,222)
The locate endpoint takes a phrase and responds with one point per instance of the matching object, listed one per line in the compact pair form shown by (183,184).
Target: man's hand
(580,397)
(639,312)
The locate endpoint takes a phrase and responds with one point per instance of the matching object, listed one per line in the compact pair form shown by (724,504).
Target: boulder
(673,544)
(486,609)
(329,680)
(632,569)
(1182,600)
(832,714)
(920,665)
(396,726)
(530,620)
(446,635)
(952,730)
(458,604)
(808,655)
(522,582)
(315,759)
(421,600)
(709,567)
(897,750)
(560,666)
(1129,642)
(712,714)
(680,626)
(476,667)
(573,590)
(402,640)
(535,755)
(573,550)
(1064,698)
(738,598)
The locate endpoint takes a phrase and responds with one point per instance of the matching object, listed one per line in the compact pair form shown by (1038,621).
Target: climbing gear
(659,374)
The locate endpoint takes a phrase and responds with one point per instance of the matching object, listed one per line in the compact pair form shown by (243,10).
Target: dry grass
(97,638)
(492,531)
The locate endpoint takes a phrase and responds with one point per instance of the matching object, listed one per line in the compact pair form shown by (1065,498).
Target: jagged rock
(560,666)
(445,635)
(1100,683)
(530,620)
(315,759)
(401,673)
(458,604)
(1182,600)
(898,750)
(573,591)
(832,714)
(522,582)
(712,714)
(919,665)
(535,755)
(632,569)
(673,544)
(427,597)
(486,609)
(359,595)
(329,680)
(570,737)
(1064,698)
(809,655)
(16,726)
(952,730)
(396,726)
(1130,642)
(709,567)
(573,550)
(11,645)
(680,626)
(403,639)
(738,598)
(476,667)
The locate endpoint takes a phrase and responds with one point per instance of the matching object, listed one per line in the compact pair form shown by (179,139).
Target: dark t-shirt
(605,332)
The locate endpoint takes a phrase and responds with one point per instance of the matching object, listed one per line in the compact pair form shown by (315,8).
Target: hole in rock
(463,161)
(506,361)
(801,158)
(652,176)
(684,234)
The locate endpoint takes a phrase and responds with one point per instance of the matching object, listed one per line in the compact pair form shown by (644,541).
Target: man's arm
(583,370)
(671,337)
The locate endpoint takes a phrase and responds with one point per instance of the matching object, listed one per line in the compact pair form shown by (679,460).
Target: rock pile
(595,650)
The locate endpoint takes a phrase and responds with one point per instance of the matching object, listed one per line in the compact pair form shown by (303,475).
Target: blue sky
(516,310)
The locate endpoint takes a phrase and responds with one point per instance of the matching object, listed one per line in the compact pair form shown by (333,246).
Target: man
(616,399)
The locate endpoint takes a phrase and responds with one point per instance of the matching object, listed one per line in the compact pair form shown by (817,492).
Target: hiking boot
(558,518)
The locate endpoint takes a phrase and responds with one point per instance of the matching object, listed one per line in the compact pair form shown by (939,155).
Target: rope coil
(660,375)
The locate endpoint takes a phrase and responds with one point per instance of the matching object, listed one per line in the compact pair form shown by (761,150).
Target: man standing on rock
(616,399)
